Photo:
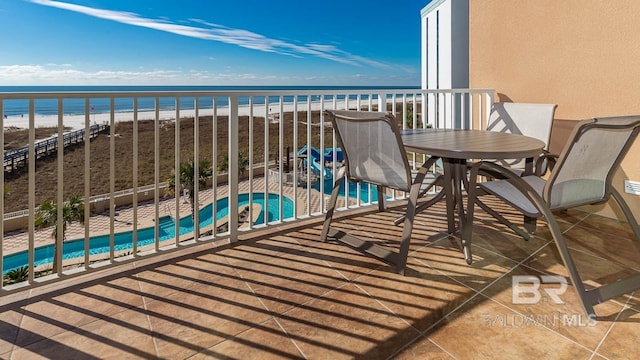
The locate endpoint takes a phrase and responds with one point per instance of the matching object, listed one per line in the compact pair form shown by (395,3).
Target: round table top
(471,144)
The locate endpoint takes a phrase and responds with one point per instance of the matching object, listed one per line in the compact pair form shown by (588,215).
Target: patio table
(456,147)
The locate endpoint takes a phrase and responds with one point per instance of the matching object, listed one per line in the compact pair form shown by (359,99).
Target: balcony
(269,288)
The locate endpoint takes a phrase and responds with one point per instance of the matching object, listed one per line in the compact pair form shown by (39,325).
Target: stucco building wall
(582,55)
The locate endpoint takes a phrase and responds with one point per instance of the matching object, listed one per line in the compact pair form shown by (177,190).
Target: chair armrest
(521,184)
(545,161)
(430,162)
(422,172)
(483,167)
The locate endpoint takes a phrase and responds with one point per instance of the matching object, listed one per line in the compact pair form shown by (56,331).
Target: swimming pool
(146,236)
(365,189)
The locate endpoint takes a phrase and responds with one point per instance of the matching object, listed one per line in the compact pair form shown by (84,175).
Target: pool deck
(100,224)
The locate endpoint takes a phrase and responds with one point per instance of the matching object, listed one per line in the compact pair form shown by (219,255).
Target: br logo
(526,289)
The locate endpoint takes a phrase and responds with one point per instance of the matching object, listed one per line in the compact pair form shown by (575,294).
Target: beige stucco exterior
(583,55)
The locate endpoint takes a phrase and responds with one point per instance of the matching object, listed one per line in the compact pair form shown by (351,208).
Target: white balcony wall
(445,54)
(445,44)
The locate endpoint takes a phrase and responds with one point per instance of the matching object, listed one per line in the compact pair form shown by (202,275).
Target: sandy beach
(75,122)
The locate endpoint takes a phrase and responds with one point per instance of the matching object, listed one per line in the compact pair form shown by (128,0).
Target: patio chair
(374,153)
(581,176)
(533,120)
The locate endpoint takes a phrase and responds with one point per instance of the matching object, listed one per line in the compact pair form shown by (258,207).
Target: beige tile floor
(281,293)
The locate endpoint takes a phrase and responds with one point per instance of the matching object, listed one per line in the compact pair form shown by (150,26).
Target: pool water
(146,236)
(365,190)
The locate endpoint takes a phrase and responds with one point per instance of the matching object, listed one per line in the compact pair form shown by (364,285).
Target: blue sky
(202,42)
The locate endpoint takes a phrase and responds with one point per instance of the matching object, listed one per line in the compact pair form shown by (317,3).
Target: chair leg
(585,299)
(467,232)
(426,204)
(449,198)
(381,200)
(530,224)
(438,181)
(524,234)
(331,206)
(403,253)
(627,212)
(597,295)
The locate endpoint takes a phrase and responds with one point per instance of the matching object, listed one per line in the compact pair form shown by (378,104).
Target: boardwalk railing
(246,135)
(18,157)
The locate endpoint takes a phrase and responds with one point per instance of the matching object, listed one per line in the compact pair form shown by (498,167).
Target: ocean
(20,107)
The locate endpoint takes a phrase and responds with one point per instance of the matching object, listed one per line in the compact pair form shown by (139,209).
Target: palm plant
(188,179)
(17,275)
(243,163)
(47,215)
(409,118)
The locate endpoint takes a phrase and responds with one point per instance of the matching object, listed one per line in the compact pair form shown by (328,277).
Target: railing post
(196,170)
(431,109)
(135,178)
(280,153)
(382,102)
(233,168)
(60,194)
(214,165)
(295,152)
(176,171)
(251,160)
(266,155)
(32,189)
(87,183)
(112,176)
(156,173)
(489,105)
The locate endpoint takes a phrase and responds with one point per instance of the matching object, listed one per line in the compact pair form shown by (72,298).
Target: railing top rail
(222,93)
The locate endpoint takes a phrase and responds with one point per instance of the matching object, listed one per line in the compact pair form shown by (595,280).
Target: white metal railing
(256,133)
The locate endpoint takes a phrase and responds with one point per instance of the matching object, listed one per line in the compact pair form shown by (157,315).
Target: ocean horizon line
(17,108)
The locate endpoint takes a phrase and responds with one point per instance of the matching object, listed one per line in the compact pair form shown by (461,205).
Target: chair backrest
(372,148)
(533,120)
(585,168)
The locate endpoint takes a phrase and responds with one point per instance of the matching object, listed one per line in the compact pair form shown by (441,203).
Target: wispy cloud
(56,74)
(215,32)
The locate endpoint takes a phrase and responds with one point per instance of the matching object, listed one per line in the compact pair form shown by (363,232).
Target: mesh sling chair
(533,120)
(581,176)
(374,153)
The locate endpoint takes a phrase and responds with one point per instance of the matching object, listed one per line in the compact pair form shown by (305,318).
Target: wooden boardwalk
(17,158)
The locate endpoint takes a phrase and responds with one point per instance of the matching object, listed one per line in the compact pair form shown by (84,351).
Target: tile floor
(281,293)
